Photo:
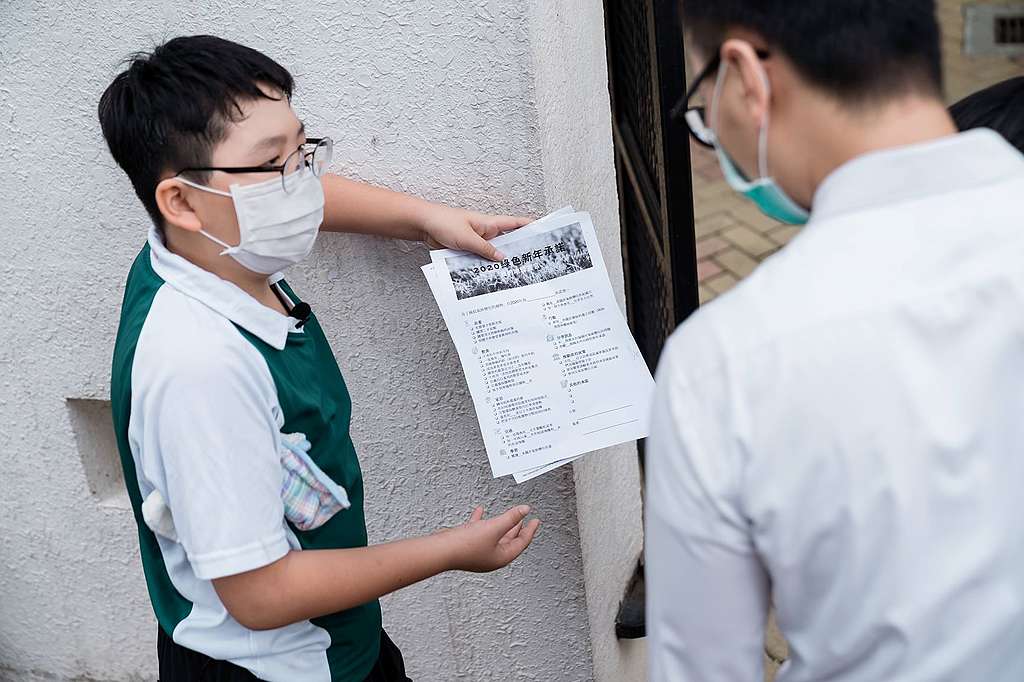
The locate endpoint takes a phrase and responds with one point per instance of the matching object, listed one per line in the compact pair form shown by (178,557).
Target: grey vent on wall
(994,30)
(97,448)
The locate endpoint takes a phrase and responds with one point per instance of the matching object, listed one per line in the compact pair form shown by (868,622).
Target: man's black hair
(858,50)
(170,107)
(999,107)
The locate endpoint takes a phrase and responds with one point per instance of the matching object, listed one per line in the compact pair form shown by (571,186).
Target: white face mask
(276,229)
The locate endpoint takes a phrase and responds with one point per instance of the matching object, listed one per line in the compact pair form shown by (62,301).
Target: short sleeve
(207,431)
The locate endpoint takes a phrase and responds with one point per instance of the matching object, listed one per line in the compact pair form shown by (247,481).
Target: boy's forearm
(351,206)
(311,583)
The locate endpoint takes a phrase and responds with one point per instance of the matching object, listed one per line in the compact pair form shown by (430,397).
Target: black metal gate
(652,157)
(646,74)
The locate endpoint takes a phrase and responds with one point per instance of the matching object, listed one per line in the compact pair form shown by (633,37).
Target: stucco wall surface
(435,97)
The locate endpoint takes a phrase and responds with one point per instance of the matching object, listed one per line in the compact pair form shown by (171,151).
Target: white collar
(972,159)
(219,294)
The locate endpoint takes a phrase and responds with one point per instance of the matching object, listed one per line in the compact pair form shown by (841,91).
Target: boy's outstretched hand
(482,545)
(445,227)
(310,583)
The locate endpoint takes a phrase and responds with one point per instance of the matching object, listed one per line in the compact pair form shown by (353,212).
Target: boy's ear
(743,58)
(172,199)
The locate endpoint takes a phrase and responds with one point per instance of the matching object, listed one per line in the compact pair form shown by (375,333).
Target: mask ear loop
(762,135)
(202,187)
(762,140)
(220,242)
(716,98)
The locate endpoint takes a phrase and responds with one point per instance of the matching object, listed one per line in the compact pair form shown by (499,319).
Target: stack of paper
(551,365)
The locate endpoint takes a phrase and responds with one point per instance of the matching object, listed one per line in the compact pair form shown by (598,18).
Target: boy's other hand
(481,545)
(445,227)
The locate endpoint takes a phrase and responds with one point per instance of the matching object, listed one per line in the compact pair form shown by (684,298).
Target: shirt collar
(219,294)
(972,159)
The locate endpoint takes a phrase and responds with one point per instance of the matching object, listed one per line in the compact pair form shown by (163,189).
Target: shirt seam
(819,220)
(248,547)
(248,557)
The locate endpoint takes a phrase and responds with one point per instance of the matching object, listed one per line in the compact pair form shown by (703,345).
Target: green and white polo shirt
(205,381)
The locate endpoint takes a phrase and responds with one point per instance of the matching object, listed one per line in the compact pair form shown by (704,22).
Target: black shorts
(179,664)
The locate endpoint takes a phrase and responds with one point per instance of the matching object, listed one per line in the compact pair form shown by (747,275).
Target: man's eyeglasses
(316,160)
(695,117)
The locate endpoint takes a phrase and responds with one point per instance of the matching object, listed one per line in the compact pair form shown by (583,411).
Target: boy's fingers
(519,544)
(509,222)
(519,220)
(513,532)
(480,246)
(477,514)
(509,519)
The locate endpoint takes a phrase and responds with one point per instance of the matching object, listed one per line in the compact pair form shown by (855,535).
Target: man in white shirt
(841,434)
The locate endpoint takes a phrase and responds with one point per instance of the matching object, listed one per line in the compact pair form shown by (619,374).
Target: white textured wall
(436,97)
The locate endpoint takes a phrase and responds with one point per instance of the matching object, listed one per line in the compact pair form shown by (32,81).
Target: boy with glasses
(231,416)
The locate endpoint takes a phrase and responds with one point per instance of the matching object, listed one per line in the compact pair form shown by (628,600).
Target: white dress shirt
(843,434)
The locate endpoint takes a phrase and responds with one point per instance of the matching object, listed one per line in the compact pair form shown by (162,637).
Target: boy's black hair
(170,107)
(999,107)
(858,50)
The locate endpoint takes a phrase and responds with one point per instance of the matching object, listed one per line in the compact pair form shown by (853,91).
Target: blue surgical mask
(764,192)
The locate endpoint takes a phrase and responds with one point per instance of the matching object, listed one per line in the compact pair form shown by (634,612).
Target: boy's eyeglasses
(695,117)
(316,160)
